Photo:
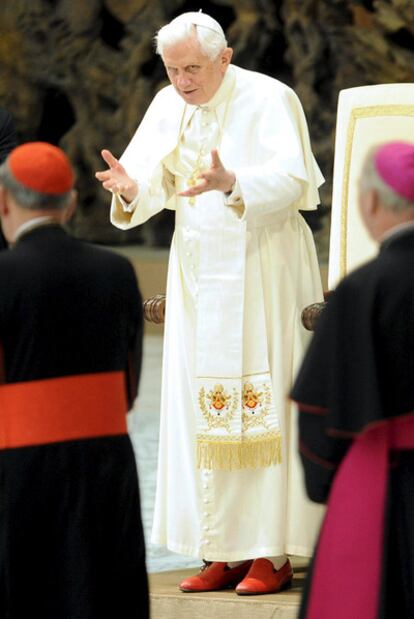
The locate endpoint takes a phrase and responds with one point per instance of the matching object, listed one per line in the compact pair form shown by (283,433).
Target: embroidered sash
(237,422)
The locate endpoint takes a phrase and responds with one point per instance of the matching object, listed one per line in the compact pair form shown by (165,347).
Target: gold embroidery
(218,398)
(221,408)
(194,180)
(256,406)
(356,114)
(222,443)
(251,398)
(223,453)
(270,434)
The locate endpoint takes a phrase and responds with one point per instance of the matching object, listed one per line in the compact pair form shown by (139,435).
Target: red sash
(62,409)
(348,564)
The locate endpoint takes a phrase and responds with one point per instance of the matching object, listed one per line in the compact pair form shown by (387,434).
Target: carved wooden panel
(81,74)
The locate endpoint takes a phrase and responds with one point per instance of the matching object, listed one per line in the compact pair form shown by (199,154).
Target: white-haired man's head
(195,54)
(207,31)
(387,187)
(36,180)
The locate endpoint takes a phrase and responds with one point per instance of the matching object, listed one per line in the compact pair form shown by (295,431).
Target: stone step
(167,602)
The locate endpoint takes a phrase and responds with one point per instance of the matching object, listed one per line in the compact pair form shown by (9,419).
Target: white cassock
(242,268)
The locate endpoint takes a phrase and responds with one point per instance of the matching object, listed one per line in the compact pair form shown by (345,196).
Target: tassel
(232,455)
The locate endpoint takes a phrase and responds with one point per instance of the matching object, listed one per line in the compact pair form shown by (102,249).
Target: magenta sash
(348,564)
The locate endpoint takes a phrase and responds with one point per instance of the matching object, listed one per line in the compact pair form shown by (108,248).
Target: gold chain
(192,181)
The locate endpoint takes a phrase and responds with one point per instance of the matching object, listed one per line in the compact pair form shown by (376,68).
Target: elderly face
(194,75)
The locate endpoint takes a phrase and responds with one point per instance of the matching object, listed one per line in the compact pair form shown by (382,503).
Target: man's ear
(68,212)
(370,209)
(4,207)
(225,59)
(369,204)
(374,202)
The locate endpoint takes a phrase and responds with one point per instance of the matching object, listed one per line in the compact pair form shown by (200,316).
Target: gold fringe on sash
(224,454)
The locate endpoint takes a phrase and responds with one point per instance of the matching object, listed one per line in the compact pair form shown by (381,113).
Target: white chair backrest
(367,116)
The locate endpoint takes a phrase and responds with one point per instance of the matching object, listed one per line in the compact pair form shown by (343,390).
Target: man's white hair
(370,179)
(207,31)
(29,198)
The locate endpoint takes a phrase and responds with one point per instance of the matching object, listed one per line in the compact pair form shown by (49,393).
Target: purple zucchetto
(394,163)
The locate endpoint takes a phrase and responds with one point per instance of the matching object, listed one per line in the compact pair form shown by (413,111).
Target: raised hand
(216,177)
(116,179)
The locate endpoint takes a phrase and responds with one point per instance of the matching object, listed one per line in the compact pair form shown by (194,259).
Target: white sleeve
(129,207)
(153,196)
(287,173)
(284,191)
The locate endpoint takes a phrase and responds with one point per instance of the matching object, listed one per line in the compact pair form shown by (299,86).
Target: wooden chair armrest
(154,309)
(311,315)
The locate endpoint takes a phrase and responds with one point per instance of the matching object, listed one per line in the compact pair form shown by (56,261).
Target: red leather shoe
(215,576)
(264,578)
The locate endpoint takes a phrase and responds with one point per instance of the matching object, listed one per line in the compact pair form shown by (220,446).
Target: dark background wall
(80,73)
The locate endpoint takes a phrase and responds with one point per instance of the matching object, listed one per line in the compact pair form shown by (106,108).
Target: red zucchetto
(394,163)
(41,167)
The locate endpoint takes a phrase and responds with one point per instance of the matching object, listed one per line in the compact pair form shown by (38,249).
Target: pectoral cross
(192,181)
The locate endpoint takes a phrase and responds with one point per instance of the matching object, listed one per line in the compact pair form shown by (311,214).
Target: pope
(229,151)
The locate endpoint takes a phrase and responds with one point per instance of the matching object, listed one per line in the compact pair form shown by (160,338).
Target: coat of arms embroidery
(218,406)
(218,398)
(251,398)
(256,405)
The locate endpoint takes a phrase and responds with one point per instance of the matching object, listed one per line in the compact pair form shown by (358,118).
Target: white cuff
(235,197)
(129,207)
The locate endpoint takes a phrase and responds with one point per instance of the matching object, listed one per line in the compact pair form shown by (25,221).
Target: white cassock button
(205,501)
(187,253)
(206,528)
(207,541)
(206,514)
(205,486)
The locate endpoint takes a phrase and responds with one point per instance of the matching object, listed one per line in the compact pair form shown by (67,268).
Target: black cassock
(71,539)
(358,375)
(8,140)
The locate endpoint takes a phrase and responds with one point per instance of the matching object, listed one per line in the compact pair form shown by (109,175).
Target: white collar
(36,222)
(223,92)
(222,95)
(396,230)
